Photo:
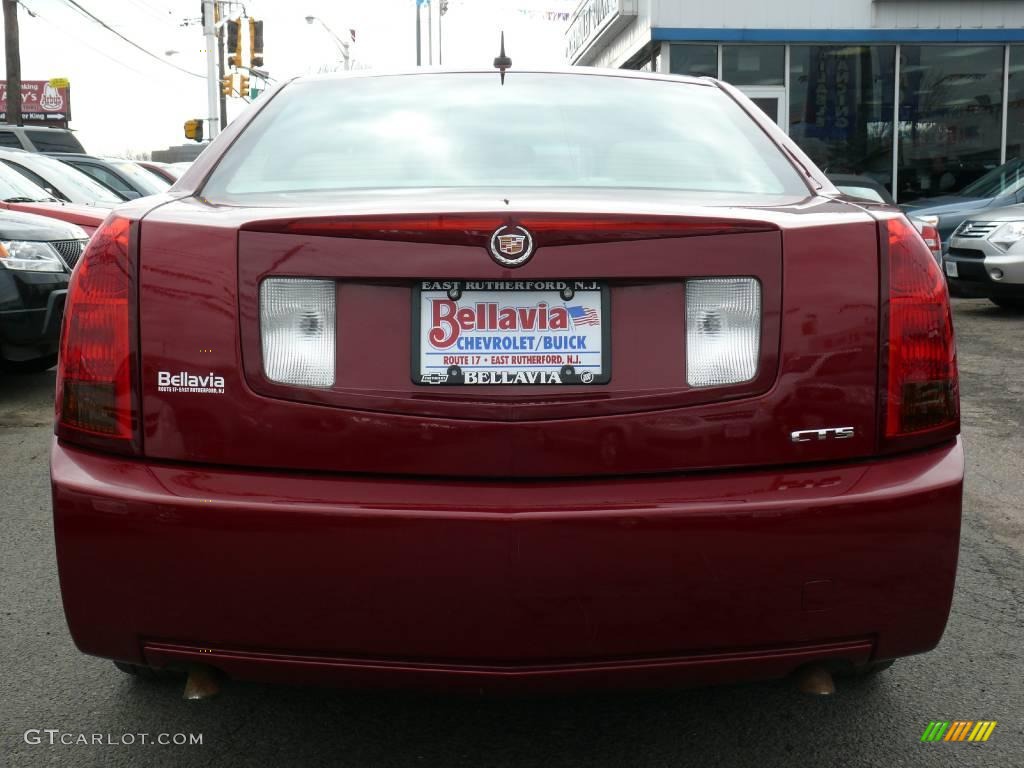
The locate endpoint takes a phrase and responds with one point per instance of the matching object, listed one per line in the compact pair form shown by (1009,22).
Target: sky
(123,100)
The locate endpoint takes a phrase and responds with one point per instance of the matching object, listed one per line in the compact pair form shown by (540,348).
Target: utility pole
(212,81)
(430,32)
(12,46)
(442,9)
(419,59)
(220,78)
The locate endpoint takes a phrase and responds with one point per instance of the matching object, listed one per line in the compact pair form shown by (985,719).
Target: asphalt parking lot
(974,674)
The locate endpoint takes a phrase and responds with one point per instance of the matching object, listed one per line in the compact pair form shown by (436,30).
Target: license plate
(515,332)
(951,269)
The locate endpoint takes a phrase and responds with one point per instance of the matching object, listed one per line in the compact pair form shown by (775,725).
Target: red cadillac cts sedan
(579,378)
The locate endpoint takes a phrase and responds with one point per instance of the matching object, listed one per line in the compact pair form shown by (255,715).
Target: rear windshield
(468,130)
(8,139)
(164,168)
(999,181)
(69,182)
(53,141)
(146,181)
(864,193)
(15,187)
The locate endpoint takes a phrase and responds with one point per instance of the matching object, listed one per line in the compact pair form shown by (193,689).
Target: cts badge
(511,246)
(829,433)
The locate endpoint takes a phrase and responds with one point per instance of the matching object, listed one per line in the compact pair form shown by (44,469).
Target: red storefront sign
(42,101)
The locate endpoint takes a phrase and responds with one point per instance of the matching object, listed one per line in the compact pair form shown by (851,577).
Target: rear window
(68,182)
(999,181)
(53,141)
(103,176)
(468,130)
(864,193)
(142,179)
(16,186)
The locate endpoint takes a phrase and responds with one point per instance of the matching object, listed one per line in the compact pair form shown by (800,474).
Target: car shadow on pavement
(752,724)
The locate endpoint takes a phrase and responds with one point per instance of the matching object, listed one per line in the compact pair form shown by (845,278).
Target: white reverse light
(723,330)
(297,330)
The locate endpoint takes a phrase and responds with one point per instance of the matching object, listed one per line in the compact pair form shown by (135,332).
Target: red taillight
(94,373)
(931,238)
(921,394)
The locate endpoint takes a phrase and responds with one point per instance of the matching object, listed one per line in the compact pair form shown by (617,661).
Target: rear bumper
(701,578)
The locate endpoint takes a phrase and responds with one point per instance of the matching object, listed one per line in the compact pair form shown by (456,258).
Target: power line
(132,43)
(162,21)
(78,38)
(163,11)
(151,11)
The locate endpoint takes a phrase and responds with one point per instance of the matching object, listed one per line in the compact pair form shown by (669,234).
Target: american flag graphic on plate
(584,316)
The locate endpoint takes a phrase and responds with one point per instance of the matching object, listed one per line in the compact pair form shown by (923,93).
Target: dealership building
(929,93)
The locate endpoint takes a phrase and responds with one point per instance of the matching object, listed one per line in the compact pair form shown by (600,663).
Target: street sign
(42,101)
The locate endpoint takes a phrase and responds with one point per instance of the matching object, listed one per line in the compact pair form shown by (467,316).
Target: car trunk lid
(816,361)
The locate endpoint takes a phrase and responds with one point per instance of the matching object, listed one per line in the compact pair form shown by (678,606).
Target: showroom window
(841,107)
(754,64)
(694,60)
(950,117)
(1015,105)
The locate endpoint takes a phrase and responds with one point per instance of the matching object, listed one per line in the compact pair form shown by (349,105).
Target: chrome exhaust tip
(203,683)
(815,680)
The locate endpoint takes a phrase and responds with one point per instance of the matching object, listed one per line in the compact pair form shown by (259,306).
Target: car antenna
(502,61)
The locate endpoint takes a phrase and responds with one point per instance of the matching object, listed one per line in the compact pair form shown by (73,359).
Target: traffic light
(227,85)
(234,43)
(194,129)
(256,40)
(243,86)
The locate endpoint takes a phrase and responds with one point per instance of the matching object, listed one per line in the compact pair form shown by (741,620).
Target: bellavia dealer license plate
(469,332)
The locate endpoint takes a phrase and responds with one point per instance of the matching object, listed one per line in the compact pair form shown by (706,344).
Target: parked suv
(999,187)
(39,139)
(37,255)
(584,395)
(986,257)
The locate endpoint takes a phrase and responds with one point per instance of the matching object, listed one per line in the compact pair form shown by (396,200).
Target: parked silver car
(986,257)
